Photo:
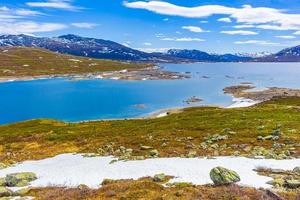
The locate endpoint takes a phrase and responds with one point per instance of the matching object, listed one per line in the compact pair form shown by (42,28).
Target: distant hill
(201,56)
(27,61)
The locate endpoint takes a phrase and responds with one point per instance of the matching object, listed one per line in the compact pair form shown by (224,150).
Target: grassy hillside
(25,61)
(195,132)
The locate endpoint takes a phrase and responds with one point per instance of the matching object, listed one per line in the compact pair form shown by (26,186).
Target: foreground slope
(25,61)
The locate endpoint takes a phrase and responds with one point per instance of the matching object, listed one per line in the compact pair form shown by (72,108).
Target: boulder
(296,170)
(159,178)
(5,192)
(223,176)
(292,184)
(146,147)
(19,179)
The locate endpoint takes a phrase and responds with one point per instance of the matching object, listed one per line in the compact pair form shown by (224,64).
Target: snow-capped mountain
(286,55)
(80,46)
(254,55)
(201,56)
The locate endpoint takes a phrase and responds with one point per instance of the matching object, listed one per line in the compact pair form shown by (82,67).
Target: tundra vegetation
(270,129)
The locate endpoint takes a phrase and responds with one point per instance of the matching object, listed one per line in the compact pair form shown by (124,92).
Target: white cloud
(184,39)
(264,17)
(225,19)
(84,25)
(56,4)
(28,27)
(244,26)
(288,37)
(194,29)
(166,19)
(151,50)
(239,32)
(147,43)
(257,42)
(297,33)
(203,22)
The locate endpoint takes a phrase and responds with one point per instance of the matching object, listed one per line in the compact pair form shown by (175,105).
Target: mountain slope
(26,61)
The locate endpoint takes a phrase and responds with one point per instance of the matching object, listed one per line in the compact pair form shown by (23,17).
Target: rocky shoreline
(249,92)
(149,73)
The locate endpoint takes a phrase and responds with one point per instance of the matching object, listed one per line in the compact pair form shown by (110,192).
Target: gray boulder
(19,179)
(223,176)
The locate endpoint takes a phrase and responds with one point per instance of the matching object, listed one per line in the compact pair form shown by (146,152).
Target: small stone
(269,137)
(83,187)
(5,192)
(22,192)
(2,182)
(223,176)
(192,154)
(179,193)
(296,170)
(159,178)
(19,179)
(292,184)
(146,147)
(260,137)
(154,153)
(107,181)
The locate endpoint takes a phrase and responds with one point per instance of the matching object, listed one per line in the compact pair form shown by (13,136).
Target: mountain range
(105,49)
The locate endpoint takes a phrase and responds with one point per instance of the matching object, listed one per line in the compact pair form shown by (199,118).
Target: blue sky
(216,26)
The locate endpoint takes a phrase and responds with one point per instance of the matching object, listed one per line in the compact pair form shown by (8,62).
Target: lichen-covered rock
(223,176)
(2,182)
(159,178)
(22,192)
(296,170)
(5,192)
(154,153)
(19,179)
(292,184)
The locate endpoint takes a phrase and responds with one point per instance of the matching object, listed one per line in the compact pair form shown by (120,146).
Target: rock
(146,147)
(107,181)
(192,154)
(260,137)
(5,192)
(22,192)
(276,132)
(292,184)
(83,187)
(159,178)
(223,176)
(2,165)
(139,158)
(154,153)
(296,170)
(269,137)
(19,179)
(2,182)
(278,182)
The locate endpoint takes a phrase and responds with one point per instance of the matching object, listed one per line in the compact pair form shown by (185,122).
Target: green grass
(25,61)
(42,138)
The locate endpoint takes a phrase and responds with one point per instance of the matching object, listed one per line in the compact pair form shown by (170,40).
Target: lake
(73,101)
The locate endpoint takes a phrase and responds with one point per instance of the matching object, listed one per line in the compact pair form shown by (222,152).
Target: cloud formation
(194,29)
(225,19)
(239,32)
(257,42)
(263,17)
(55,4)
(184,39)
(84,25)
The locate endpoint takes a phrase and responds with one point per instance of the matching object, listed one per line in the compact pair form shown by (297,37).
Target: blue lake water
(72,101)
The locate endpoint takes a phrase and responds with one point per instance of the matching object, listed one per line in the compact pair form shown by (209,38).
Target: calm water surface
(72,101)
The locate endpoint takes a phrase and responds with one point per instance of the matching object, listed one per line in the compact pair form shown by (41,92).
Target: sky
(215,26)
